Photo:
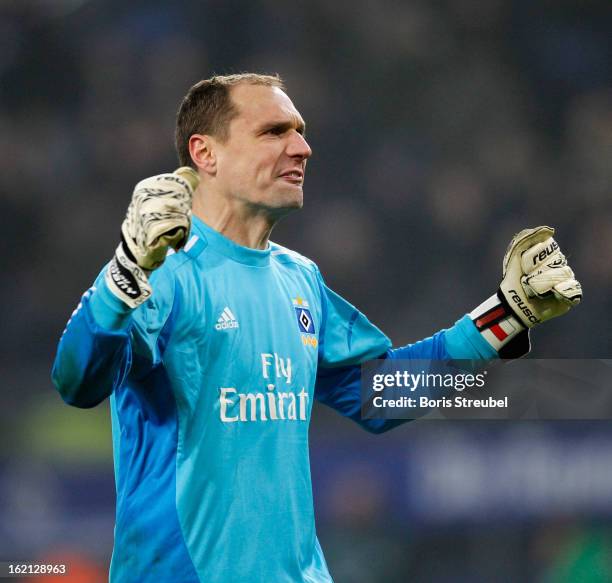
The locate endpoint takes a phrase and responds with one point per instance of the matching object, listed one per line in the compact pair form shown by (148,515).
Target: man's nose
(298,146)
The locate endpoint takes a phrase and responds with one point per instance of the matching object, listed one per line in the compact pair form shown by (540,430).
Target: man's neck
(245,225)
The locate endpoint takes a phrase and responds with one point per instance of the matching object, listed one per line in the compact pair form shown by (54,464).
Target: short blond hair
(208,109)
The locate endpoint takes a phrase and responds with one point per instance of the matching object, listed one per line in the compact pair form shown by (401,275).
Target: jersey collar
(227,247)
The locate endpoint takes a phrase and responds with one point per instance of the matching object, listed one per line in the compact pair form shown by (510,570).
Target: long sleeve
(338,382)
(96,350)
(340,388)
(90,361)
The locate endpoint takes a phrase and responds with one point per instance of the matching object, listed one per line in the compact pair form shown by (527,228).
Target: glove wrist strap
(127,280)
(499,326)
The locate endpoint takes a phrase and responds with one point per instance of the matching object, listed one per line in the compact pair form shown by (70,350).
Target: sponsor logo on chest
(278,401)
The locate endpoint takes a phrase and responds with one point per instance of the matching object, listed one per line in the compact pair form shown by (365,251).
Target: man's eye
(275,131)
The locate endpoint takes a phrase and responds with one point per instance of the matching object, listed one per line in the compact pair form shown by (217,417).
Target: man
(212,354)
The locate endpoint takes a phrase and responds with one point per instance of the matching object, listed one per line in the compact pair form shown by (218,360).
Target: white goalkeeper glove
(537,281)
(158,217)
(537,285)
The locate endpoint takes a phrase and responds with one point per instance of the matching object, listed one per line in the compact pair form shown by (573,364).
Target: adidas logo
(226,320)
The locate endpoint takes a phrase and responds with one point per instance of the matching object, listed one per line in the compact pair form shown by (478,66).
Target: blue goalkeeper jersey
(211,385)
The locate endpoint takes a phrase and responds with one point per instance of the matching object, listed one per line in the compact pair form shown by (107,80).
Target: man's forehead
(259,104)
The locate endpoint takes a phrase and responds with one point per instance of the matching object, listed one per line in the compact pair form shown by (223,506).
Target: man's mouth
(293,176)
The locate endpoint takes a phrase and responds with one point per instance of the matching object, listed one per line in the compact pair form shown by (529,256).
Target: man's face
(263,161)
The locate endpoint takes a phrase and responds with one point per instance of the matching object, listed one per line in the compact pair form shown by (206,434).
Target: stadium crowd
(438,130)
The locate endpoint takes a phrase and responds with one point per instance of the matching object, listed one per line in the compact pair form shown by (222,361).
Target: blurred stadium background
(438,129)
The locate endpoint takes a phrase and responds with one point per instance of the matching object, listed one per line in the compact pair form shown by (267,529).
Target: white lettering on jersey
(282,366)
(270,406)
(226,320)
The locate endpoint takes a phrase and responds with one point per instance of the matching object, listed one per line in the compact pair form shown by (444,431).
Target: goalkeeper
(212,342)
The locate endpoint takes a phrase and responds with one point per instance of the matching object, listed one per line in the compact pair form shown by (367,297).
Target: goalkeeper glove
(158,217)
(537,285)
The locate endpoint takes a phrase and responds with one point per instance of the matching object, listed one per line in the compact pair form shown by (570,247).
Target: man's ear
(202,149)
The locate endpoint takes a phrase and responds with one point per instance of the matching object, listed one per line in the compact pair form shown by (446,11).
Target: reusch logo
(542,255)
(523,308)
(123,279)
